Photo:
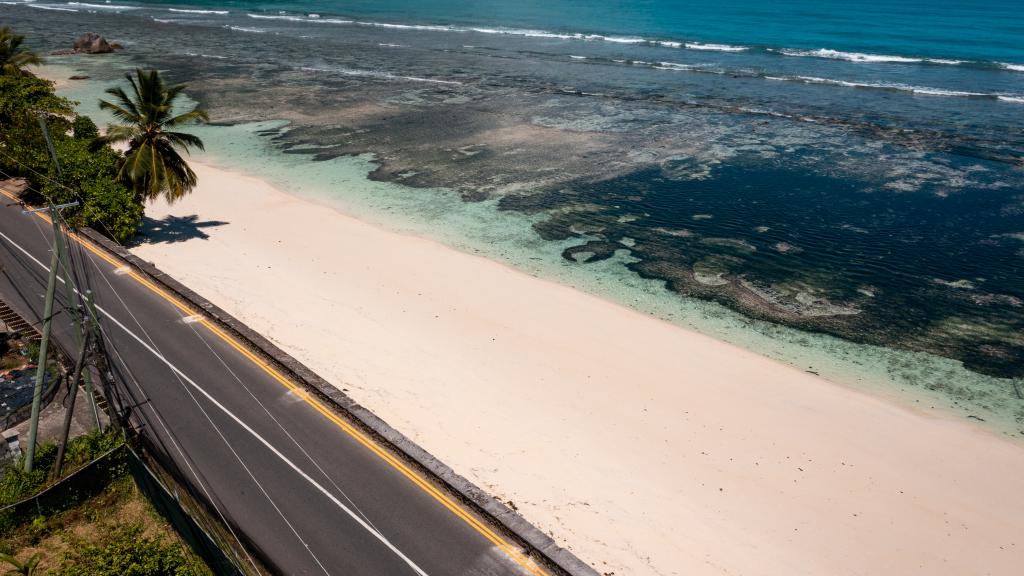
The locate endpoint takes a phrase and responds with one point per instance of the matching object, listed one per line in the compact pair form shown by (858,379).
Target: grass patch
(115,533)
(16,484)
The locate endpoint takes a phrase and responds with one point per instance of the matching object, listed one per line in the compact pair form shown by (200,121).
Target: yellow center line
(512,551)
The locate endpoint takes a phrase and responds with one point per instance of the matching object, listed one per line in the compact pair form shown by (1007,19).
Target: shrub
(110,208)
(21,142)
(16,484)
(126,551)
(83,128)
(89,175)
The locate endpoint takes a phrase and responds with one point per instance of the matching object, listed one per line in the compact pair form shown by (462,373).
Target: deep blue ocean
(853,171)
(985,31)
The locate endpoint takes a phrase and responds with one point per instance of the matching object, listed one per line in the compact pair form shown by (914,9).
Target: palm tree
(152,165)
(13,58)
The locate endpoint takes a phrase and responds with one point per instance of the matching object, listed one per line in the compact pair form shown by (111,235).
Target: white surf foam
(618,39)
(214,56)
(288,18)
(677,66)
(1013,99)
(714,47)
(848,56)
(191,11)
(520,32)
(577,57)
(1013,67)
(377,74)
(104,6)
(919,90)
(408,26)
(245,29)
(54,8)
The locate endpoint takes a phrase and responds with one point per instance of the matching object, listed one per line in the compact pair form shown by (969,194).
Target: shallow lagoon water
(890,219)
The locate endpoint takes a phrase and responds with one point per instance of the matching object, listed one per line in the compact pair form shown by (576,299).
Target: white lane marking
(239,421)
(122,270)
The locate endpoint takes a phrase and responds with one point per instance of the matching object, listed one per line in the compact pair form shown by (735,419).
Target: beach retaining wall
(541,547)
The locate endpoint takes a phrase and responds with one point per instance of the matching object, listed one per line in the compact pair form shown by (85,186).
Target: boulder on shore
(92,43)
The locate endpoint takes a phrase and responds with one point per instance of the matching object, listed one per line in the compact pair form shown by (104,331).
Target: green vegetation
(112,187)
(90,176)
(26,568)
(152,165)
(127,551)
(16,484)
(14,58)
(115,532)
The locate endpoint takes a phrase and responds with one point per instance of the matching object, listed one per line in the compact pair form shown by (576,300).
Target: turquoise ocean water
(983,31)
(837,185)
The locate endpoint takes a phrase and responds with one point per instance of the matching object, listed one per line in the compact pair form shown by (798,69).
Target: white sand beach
(644,448)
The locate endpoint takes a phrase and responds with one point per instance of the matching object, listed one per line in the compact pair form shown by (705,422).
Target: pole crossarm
(47,208)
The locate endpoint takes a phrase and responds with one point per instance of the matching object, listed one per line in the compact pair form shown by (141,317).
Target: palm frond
(152,165)
(184,140)
(115,134)
(196,115)
(14,58)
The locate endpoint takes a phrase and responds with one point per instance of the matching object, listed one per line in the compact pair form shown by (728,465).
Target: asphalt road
(314,495)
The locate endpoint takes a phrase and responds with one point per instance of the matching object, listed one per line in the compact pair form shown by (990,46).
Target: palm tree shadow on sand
(172,229)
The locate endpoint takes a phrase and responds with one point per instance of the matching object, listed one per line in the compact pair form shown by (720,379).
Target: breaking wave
(50,7)
(104,6)
(376,74)
(864,57)
(713,47)
(192,11)
(919,90)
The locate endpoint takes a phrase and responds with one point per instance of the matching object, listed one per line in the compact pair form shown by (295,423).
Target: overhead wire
(191,395)
(87,273)
(219,358)
(82,258)
(209,419)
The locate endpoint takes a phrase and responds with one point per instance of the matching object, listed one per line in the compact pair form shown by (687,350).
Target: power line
(83,258)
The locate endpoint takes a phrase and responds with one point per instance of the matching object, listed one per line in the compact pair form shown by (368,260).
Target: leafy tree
(111,208)
(14,58)
(83,128)
(90,176)
(22,148)
(152,165)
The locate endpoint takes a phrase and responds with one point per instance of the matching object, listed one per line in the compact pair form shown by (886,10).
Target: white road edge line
(239,421)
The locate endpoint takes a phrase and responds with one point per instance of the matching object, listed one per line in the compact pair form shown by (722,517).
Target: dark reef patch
(871,215)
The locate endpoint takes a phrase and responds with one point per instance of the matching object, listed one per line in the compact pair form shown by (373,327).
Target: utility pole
(83,350)
(76,318)
(37,393)
(62,250)
(44,344)
(51,285)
